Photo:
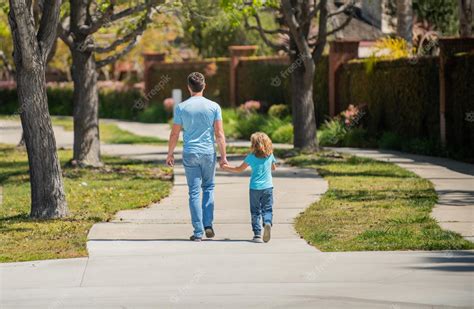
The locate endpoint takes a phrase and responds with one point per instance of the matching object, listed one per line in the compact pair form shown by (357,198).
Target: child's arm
(274,166)
(236,169)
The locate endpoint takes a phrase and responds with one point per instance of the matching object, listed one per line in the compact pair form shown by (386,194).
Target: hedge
(175,74)
(253,82)
(114,103)
(460,105)
(400,96)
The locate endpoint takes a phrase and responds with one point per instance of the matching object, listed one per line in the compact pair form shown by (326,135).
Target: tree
(466,11)
(211,29)
(405,19)
(304,42)
(32,43)
(442,14)
(86,18)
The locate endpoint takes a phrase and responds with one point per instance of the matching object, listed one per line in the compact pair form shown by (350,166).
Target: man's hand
(223,162)
(170,160)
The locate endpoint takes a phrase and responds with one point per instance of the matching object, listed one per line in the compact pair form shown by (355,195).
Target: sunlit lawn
(372,205)
(109,132)
(93,195)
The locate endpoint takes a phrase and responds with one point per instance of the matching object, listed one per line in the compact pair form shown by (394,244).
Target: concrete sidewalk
(452,180)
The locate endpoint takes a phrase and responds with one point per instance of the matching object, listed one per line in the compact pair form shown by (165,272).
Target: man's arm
(173,141)
(220,140)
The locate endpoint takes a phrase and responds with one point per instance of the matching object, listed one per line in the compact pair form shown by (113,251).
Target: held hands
(223,162)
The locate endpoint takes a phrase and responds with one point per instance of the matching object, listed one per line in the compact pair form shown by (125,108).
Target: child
(262,162)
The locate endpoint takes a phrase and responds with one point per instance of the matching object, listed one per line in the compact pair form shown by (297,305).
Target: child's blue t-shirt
(261,177)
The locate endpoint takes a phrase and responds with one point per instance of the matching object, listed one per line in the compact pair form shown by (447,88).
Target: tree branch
(65,36)
(47,33)
(297,35)
(109,17)
(343,9)
(23,27)
(322,37)
(99,22)
(263,33)
(115,57)
(127,38)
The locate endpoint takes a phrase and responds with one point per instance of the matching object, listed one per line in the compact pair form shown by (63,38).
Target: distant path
(452,180)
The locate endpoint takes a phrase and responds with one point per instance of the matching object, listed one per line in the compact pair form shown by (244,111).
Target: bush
(283,134)
(249,124)
(280,111)
(153,113)
(114,102)
(390,140)
(272,124)
(356,137)
(421,146)
(331,133)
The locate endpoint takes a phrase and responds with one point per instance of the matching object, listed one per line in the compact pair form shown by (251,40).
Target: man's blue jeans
(200,171)
(261,208)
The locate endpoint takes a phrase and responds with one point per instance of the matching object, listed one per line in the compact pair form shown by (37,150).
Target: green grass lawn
(371,205)
(93,195)
(109,133)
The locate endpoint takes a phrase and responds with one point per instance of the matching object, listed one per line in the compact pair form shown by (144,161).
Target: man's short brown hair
(196,82)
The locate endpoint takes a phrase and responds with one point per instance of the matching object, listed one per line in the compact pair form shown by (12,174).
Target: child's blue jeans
(261,208)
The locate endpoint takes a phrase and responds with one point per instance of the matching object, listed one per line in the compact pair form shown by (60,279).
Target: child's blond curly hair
(261,145)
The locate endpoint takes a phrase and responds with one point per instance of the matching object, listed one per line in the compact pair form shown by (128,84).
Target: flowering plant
(352,116)
(250,106)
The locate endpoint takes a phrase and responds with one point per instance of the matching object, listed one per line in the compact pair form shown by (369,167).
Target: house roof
(357,29)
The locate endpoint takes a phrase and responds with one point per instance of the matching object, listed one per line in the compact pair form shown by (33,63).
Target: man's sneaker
(209,232)
(267,232)
(257,239)
(194,238)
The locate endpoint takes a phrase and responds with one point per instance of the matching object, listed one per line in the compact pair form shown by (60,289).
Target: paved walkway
(143,260)
(452,180)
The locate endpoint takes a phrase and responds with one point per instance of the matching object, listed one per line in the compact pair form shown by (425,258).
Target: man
(201,121)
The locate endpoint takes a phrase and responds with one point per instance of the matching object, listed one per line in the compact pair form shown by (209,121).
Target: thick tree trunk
(466,8)
(304,118)
(405,19)
(47,192)
(86,109)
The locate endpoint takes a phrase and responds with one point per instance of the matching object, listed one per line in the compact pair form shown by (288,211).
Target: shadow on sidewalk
(170,240)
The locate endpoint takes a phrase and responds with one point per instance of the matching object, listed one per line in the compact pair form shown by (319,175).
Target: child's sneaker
(257,239)
(267,232)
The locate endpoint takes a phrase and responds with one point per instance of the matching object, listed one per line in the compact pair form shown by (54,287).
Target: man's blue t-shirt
(261,177)
(197,116)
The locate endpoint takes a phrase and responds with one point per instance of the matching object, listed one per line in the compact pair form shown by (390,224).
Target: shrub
(152,114)
(249,124)
(283,134)
(279,111)
(331,133)
(272,124)
(390,140)
(422,146)
(356,137)
(230,119)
